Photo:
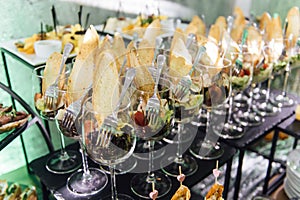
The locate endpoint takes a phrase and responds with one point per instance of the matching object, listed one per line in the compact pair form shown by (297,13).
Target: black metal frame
(18,132)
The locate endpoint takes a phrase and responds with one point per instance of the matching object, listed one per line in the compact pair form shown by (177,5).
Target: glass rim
(35,74)
(86,108)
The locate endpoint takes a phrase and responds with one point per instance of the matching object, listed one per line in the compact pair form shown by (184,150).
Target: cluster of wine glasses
(167,114)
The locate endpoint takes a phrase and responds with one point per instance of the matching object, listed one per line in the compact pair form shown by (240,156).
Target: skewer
(216,172)
(153,195)
(181,176)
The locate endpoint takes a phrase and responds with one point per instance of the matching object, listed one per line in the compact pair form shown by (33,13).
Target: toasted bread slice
(293,27)
(82,72)
(145,53)
(89,43)
(119,49)
(273,29)
(222,24)
(255,44)
(264,20)
(180,59)
(141,59)
(196,26)
(214,33)
(178,33)
(51,71)
(238,24)
(105,86)
(152,31)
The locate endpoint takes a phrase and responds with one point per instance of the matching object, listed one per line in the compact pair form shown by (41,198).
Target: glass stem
(179,147)
(151,176)
(269,88)
(229,118)
(64,154)
(286,76)
(250,97)
(113,186)
(86,171)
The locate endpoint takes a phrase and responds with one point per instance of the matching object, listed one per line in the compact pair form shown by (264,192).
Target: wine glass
(239,82)
(86,181)
(141,184)
(272,52)
(64,161)
(282,100)
(185,109)
(119,145)
(250,117)
(216,90)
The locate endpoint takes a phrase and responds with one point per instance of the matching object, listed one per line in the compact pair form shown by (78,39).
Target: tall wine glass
(64,161)
(86,181)
(272,52)
(119,145)
(249,117)
(216,90)
(239,82)
(141,184)
(282,100)
(185,109)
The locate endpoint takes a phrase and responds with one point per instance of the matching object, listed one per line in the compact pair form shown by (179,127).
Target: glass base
(240,100)
(142,150)
(119,197)
(229,131)
(89,185)
(123,167)
(282,101)
(266,109)
(60,163)
(206,150)
(259,94)
(188,166)
(141,185)
(248,119)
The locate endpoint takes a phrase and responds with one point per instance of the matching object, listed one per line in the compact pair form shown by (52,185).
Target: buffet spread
(177,70)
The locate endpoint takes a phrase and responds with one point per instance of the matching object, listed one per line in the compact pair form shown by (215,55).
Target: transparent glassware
(185,109)
(272,51)
(86,181)
(249,117)
(216,91)
(141,184)
(119,144)
(290,52)
(239,82)
(63,161)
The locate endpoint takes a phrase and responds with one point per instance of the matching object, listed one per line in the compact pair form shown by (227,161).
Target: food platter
(31,59)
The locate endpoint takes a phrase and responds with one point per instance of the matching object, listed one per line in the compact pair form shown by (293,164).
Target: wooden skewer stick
(216,172)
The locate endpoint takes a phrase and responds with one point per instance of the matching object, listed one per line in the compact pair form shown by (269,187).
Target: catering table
(254,134)
(56,184)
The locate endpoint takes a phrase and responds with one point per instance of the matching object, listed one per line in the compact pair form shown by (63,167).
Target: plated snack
(15,192)
(66,34)
(216,191)
(11,119)
(183,192)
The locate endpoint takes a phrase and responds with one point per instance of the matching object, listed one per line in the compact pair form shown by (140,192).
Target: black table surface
(255,133)
(57,183)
